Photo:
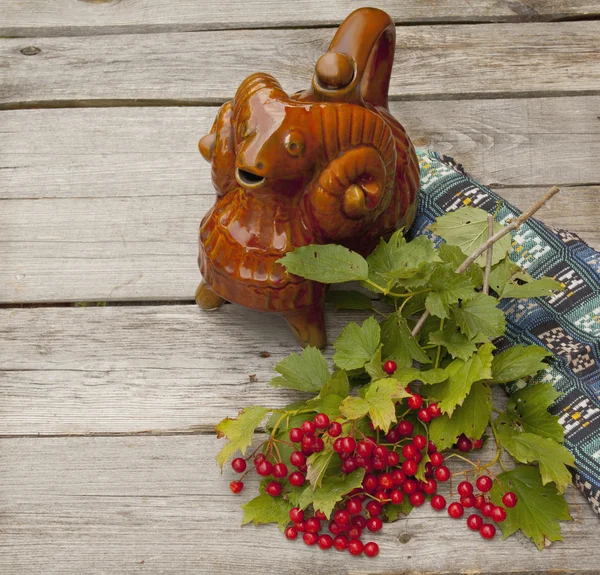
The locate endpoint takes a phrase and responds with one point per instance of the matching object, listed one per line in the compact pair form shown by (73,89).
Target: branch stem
(488,257)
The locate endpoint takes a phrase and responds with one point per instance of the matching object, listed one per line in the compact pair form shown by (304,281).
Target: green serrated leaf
(467,228)
(457,343)
(381,395)
(428,377)
(539,508)
(453,255)
(327,264)
(480,314)
(447,288)
(461,376)
(332,489)
(318,464)
(392,512)
(354,407)
(328,404)
(337,384)
(305,372)
(374,366)
(356,345)
(518,361)
(502,273)
(399,344)
(542,287)
(528,409)
(239,431)
(267,509)
(349,299)
(471,418)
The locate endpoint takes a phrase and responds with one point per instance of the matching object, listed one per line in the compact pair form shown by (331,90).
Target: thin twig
(497,236)
(488,257)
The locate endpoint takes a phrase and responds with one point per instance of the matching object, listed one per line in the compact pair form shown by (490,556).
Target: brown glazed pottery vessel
(325,165)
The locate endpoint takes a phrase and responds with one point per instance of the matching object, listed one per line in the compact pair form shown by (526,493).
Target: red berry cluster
(481,502)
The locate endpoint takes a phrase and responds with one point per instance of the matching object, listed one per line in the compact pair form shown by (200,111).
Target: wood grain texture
(158,505)
(39,17)
(432,62)
(119,192)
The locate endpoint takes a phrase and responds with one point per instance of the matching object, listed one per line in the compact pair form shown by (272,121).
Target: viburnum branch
(497,236)
(488,257)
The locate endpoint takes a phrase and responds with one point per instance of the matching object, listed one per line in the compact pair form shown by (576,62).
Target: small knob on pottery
(334,71)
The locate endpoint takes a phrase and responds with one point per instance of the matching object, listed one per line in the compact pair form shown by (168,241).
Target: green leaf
(349,299)
(381,396)
(337,384)
(399,344)
(429,377)
(328,404)
(356,345)
(447,288)
(461,376)
(551,456)
(528,409)
(518,361)
(467,228)
(542,287)
(267,509)
(457,344)
(480,314)
(501,274)
(318,464)
(539,508)
(453,255)
(327,264)
(354,407)
(374,366)
(392,512)
(305,372)
(471,418)
(239,431)
(332,490)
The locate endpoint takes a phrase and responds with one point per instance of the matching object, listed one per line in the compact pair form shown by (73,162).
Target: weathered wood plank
(39,17)
(432,62)
(159,505)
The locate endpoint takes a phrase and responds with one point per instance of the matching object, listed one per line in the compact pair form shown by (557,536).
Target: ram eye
(294,143)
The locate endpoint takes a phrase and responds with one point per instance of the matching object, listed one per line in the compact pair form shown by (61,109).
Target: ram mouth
(248,179)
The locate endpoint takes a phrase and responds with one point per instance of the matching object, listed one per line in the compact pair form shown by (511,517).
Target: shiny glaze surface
(327,165)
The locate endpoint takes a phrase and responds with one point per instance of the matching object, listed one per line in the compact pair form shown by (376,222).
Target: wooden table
(107,411)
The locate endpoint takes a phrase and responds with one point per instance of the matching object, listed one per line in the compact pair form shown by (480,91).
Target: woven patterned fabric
(567,324)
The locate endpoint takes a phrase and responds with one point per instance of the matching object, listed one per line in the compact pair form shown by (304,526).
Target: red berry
(438,502)
(418,457)
(297,459)
(431,448)
(430,486)
(474,522)
(455,510)
(393,459)
(348,444)
(386,481)
(374,524)
(264,468)
(370,483)
(341,543)
(410,486)
(378,464)
(359,521)
(405,428)
(465,488)
(468,501)
(321,420)
(354,532)
(310,538)
(434,410)
(337,445)
(424,415)
(410,467)
(313,525)
(464,444)
(486,509)
(415,401)
(479,501)
(478,444)
(296,435)
(325,541)
(296,479)
(236,486)
(291,533)
(349,465)
(371,549)
(309,427)
(487,531)
(273,489)
(417,499)
(373,508)
(320,515)
(341,517)
(354,506)
(420,442)
(381,495)
(389,367)
(355,547)
(484,483)
(259,459)
(397,496)
(436,458)
(317,445)
(498,514)
(334,528)
(392,436)
(296,514)
(409,451)
(335,429)
(307,443)
(398,476)
(280,470)
(300,526)
(380,451)
(509,499)
(364,447)
(442,473)
(238,465)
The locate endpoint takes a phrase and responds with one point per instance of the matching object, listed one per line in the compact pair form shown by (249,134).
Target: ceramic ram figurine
(326,165)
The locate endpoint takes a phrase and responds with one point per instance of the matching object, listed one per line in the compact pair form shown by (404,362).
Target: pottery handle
(358,65)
